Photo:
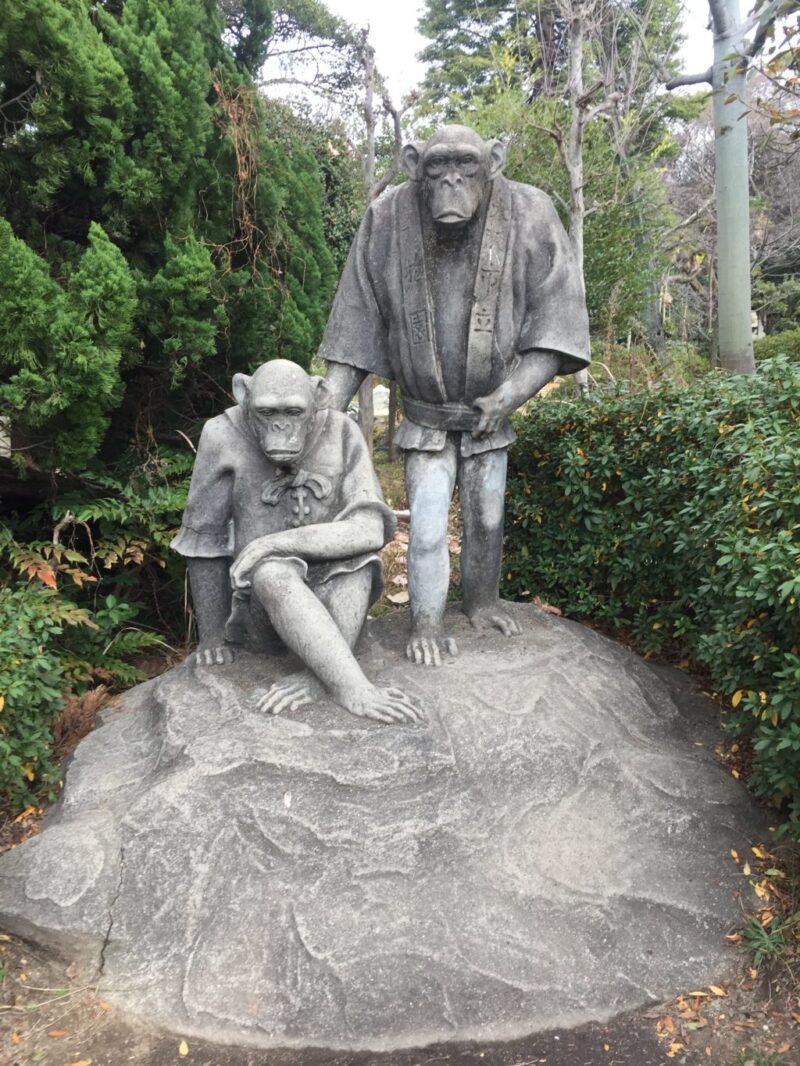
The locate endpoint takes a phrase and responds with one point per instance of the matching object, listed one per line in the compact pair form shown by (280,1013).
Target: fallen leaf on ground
(759,852)
(104,1006)
(718,990)
(675,1049)
(784,1048)
(796,1016)
(665,1024)
(82,1062)
(398,597)
(183,1049)
(56,1033)
(548,608)
(16,1038)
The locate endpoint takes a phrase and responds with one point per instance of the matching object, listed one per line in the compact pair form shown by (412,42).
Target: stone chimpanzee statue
(281,529)
(462,287)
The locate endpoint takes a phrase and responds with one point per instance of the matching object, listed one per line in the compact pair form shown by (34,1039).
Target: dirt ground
(54,1015)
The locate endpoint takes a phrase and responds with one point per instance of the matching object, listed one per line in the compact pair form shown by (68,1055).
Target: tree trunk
(732,190)
(392,421)
(366,410)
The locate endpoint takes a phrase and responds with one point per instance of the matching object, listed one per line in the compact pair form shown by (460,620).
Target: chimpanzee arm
(534,370)
(211,595)
(362,532)
(343,381)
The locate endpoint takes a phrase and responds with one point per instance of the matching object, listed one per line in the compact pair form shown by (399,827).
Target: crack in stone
(112,904)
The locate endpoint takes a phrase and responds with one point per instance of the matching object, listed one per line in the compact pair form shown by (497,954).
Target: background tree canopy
(163,224)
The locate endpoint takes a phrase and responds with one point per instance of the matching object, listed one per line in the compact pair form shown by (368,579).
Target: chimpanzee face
(281,423)
(455,177)
(280,405)
(455,167)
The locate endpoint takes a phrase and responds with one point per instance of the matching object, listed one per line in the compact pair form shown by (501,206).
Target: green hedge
(675,514)
(787,343)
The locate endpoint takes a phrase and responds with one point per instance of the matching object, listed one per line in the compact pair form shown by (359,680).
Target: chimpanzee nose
(451,177)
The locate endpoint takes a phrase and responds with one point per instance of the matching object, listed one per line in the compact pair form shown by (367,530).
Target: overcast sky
(396,41)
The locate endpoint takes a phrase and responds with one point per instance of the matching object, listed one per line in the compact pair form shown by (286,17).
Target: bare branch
(701,210)
(691,79)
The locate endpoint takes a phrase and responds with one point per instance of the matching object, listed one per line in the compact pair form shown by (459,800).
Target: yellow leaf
(753,973)
(796,1016)
(774,719)
(104,1006)
(27,770)
(746,869)
(81,1062)
(665,1024)
(16,1038)
(56,1033)
(737,698)
(759,852)
(718,990)
(183,1049)
(734,854)
(675,1049)
(699,994)
(2,701)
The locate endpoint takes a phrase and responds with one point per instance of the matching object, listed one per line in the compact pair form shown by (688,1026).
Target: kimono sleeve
(555,305)
(207,527)
(356,333)
(360,490)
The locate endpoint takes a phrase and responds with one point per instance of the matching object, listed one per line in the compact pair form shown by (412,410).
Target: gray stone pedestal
(551,847)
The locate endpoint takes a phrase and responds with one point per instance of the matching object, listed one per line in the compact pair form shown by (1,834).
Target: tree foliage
(158,234)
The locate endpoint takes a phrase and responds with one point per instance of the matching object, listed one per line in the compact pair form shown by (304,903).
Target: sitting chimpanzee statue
(283,489)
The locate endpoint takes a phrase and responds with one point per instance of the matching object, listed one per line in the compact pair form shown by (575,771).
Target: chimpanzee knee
(275,578)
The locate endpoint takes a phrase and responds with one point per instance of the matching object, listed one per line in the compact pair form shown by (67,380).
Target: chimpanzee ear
(497,157)
(322,392)
(410,158)
(241,387)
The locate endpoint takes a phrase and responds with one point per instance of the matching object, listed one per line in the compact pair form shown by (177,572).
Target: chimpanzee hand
(249,558)
(493,409)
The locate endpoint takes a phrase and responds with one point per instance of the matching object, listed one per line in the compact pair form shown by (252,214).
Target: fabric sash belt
(448,416)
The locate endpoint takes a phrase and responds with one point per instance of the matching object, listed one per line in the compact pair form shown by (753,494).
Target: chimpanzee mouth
(448,217)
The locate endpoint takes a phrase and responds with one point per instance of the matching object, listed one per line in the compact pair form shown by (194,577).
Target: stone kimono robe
(523,291)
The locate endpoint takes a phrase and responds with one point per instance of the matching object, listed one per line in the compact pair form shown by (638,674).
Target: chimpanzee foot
(427,650)
(214,655)
(494,617)
(291,693)
(388,705)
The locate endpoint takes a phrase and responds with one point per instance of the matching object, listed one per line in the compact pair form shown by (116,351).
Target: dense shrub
(70,606)
(676,514)
(787,343)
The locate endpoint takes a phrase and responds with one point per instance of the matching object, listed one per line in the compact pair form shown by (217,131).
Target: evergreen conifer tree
(156,237)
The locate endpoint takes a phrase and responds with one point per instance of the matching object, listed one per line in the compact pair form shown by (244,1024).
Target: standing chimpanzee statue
(462,287)
(283,489)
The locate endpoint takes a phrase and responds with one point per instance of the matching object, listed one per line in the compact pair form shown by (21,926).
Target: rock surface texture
(550,848)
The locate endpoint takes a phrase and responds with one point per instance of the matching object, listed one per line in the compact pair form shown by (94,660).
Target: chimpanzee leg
(430,479)
(481,486)
(306,626)
(346,598)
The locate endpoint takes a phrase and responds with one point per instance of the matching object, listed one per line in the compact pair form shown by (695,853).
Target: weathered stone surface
(549,848)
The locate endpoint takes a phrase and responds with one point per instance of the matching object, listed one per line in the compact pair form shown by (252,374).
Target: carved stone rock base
(553,846)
